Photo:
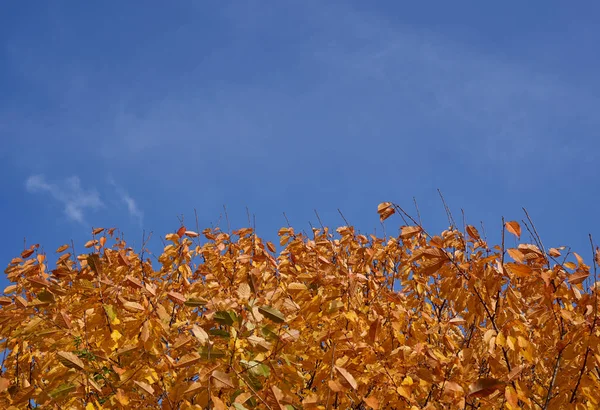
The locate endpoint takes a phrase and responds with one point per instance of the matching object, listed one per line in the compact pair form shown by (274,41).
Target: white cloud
(69,193)
(132,206)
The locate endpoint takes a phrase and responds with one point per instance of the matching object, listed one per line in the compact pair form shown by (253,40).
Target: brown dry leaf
(347,376)
(97,231)
(222,377)
(27,253)
(176,297)
(453,386)
(472,232)
(514,228)
(385,210)
(484,387)
(181,231)
(408,232)
(578,277)
(200,334)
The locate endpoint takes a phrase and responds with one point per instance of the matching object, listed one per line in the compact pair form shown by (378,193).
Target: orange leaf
(484,387)
(91,243)
(347,376)
(176,297)
(62,248)
(408,232)
(473,233)
(181,231)
(26,253)
(97,231)
(372,402)
(453,386)
(514,228)
(385,210)
(578,277)
(4,383)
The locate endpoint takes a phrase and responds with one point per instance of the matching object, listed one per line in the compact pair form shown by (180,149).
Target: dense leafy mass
(335,320)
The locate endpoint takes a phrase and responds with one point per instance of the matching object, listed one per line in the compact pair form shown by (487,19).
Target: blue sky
(118,114)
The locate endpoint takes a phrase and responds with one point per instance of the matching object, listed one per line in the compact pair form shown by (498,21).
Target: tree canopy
(334,320)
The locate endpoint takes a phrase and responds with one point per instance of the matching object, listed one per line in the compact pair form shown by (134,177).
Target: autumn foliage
(337,320)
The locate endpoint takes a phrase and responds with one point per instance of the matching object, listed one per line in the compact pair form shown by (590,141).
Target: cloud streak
(132,206)
(69,193)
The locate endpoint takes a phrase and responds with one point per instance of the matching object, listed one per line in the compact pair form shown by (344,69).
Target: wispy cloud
(132,206)
(69,193)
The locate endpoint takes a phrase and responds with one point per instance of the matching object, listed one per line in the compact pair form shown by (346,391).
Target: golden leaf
(372,402)
(514,228)
(484,387)
(70,360)
(145,386)
(347,376)
(385,210)
(62,248)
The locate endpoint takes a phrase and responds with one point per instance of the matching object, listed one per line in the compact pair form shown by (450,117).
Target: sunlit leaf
(514,228)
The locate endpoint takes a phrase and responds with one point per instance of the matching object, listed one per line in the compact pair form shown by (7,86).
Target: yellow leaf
(90,406)
(145,386)
(70,360)
(122,397)
(115,335)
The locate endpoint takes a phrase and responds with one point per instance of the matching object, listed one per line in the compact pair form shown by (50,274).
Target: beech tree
(335,320)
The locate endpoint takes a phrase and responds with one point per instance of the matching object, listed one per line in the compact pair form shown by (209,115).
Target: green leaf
(94,261)
(194,302)
(219,332)
(45,296)
(269,333)
(62,390)
(225,318)
(110,311)
(256,368)
(272,313)
(210,353)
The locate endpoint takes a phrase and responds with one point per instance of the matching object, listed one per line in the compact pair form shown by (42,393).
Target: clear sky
(130,114)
